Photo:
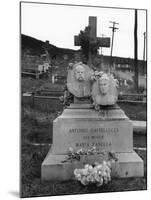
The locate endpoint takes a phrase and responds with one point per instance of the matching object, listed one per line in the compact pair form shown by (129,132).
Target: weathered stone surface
(128,165)
(82,128)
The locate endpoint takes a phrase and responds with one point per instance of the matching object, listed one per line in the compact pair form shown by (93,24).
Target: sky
(60,23)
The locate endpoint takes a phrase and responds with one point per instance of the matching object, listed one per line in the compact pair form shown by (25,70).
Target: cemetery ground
(36,140)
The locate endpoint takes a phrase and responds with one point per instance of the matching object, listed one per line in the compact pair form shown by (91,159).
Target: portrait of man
(80,73)
(78,80)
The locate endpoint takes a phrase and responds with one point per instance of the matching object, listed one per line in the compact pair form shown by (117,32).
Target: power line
(113,30)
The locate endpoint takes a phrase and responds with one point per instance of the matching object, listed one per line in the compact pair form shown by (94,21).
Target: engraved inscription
(101,137)
(97,144)
(78,130)
(104,130)
(93,130)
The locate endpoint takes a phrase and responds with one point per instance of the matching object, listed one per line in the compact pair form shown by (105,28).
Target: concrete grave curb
(139,127)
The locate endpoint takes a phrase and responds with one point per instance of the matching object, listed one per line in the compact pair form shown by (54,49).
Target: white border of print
(9,100)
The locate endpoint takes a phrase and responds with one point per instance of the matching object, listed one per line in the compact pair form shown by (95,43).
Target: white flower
(100,73)
(99,174)
(79,151)
(70,149)
(84,180)
(84,172)
(109,177)
(93,148)
(108,163)
(105,180)
(102,173)
(97,177)
(104,162)
(86,166)
(88,178)
(90,168)
(92,78)
(112,161)
(97,107)
(95,171)
(89,151)
(99,167)
(78,177)
(100,182)
(91,178)
(96,73)
(108,170)
(96,163)
(77,171)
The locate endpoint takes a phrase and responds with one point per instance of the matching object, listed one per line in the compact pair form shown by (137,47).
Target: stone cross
(46,48)
(103,41)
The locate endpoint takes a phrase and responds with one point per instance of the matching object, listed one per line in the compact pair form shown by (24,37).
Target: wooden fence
(52,102)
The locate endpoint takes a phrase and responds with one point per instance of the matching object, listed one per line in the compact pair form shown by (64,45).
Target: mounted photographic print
(83,99)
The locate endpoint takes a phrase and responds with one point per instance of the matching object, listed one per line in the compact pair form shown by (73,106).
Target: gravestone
(103,41)
(81,126)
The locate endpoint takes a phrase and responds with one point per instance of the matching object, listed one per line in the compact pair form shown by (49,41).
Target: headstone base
(80,126)
(54,167)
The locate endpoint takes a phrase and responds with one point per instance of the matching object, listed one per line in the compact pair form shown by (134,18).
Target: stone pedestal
(80,126)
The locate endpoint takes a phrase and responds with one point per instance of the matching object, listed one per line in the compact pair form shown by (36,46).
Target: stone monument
(101,124)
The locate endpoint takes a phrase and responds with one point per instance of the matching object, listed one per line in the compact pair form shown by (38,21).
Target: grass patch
(33,186)
(134,111)
(29,84)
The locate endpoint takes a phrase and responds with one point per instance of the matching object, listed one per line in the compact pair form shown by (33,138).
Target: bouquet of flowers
(98,174)
(96,75)
(76,155)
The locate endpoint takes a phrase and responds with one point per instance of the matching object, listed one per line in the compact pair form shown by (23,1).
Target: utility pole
(113,30)
(144,52)
(135,52)
(144,46)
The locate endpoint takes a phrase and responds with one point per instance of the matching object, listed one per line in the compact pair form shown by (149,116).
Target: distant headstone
(65,57)
(40,68)
(125,82)
(43,68)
